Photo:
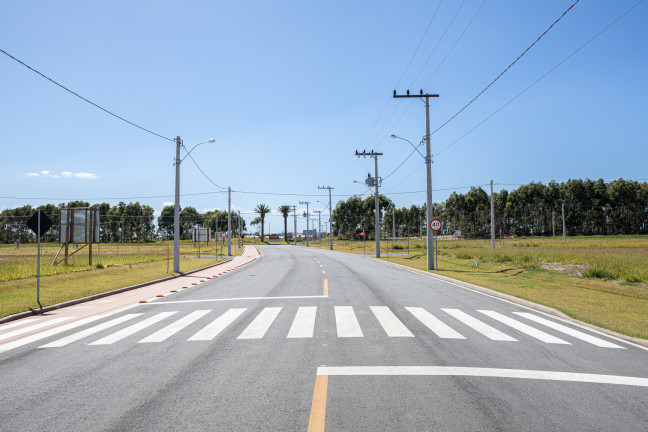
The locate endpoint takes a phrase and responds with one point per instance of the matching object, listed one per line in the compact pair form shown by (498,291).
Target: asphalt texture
(241,353)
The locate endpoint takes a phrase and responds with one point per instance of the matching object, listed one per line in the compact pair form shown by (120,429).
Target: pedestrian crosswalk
(304,322)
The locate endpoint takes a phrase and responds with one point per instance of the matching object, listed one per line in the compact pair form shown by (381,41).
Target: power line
(455,44)
(419,44)
(406,159)
(81,97)
(203,172)
(539,79)
(439,42)
(382,111)
(504,71)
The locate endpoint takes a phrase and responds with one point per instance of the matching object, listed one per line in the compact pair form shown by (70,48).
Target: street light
(176,210)
(430,215)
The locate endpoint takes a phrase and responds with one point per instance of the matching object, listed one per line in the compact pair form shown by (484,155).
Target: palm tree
(263,210)
(285,211)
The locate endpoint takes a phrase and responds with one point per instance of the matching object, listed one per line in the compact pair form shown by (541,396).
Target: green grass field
(114,266)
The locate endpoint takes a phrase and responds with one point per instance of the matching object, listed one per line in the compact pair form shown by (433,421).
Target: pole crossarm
(431,252)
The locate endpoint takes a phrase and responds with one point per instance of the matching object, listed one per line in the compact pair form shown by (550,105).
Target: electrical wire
(539,79)
(382,111)
(438,43)
(505,70)
(87,100)
(203,172)
(406,159)
(455,44)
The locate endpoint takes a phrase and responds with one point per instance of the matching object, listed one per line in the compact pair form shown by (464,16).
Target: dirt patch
(573,269)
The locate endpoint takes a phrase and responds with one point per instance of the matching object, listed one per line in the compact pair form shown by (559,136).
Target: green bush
(599,273)
(99,265)
(502,258)
(398,247)
(464,255)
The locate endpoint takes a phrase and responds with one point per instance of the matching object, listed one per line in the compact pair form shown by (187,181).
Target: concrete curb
(25,314)
(541,308)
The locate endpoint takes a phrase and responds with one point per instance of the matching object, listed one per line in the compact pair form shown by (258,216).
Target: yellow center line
(326,287)
(318,408)
(323,272)
(321,265)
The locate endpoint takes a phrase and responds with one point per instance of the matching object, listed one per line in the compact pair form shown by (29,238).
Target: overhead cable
(87,100)
(504,71)
(539,79)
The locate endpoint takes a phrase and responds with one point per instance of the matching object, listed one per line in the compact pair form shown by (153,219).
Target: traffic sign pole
(38,262)
(435,225)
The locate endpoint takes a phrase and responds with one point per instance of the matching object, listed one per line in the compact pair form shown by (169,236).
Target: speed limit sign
(435,224)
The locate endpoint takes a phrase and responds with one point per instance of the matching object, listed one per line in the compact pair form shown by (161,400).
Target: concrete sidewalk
(118,302)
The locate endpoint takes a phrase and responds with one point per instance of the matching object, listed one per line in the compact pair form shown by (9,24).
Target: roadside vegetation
(115,265)
(600,280)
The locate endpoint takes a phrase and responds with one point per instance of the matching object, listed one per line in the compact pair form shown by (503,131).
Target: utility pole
(239,229)
(330,216)
(319,224)
(376,181)
(563,221)
(229,221)
(428,163)
(307,214)
(295,219)
(176,211)
(492,217)
(393,226)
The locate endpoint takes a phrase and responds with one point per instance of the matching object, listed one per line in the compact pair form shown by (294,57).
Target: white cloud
(83,175)
(64,174)
(168,203)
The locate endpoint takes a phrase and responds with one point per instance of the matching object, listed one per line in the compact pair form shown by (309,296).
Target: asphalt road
(265,348)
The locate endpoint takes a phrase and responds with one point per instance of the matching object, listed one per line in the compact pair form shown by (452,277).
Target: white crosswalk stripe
(475,324)
(570,331)
(524,328)
(131,330)
(346,322)
(258,328)
(175,327)
(304,324)
(33,327)
(218,325)
(24,321)
(435,324)
(390,323)
(89,332)
(47,333)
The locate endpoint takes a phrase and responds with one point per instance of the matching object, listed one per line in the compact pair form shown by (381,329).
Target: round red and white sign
(435,224)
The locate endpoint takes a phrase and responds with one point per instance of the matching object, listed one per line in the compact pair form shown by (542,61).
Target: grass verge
(20,295)
(620,307)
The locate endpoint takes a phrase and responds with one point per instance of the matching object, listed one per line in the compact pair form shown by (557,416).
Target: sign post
(435,225)
(39,223)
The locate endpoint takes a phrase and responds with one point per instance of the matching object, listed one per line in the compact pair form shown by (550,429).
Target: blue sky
(289,90)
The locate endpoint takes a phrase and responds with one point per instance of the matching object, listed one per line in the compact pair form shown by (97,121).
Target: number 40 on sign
(435,224)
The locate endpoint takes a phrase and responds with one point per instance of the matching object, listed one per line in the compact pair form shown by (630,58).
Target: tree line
(592,207)
(128,222)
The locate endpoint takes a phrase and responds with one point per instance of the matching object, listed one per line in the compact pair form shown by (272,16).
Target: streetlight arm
(192,148)
(410,143)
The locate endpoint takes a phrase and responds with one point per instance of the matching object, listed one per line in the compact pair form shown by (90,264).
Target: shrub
(397,246)
(99,265)
(599,273)
(464,255)
(502,258)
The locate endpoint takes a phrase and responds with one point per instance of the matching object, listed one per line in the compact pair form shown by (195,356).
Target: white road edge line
(480,372)
(584,327)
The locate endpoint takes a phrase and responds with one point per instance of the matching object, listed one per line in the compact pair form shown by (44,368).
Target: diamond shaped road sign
(45,223)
